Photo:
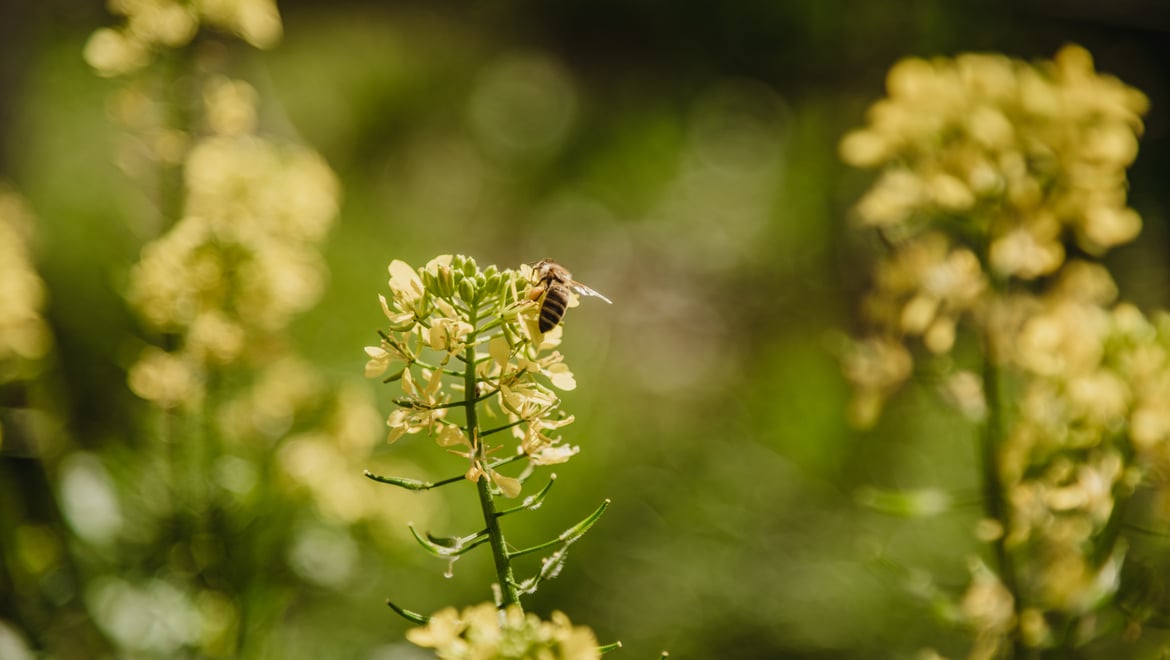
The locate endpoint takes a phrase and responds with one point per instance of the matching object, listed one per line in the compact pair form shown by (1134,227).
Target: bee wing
(583,290)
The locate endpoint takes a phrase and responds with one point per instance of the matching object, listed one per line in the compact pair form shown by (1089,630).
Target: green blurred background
(679,157)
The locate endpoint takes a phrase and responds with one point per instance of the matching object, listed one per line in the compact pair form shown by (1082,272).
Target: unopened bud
(467,290)
(492,285)
(446,282)
(469,267)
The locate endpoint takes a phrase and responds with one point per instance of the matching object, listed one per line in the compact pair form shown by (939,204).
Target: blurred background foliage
(680,158)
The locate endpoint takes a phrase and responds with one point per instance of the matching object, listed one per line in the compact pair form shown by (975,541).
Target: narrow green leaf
(568,536)
(448,547)
(413,617)
(411,484)
(920,503)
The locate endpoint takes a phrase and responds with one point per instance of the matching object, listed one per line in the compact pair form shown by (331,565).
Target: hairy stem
(507,581)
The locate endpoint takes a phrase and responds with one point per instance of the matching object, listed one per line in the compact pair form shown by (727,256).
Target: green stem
(507,581)
(505,427)
(181,94)
(411,403)
(995,503)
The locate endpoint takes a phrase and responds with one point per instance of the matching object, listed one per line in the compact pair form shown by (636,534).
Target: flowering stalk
(995,507)
(994,172)
(467,342)
(243,215)
(504,574)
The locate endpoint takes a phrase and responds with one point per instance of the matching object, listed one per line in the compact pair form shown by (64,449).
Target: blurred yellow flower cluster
(990,167)
(1092,420)
(1021,155)
(245,257)
(482,632)
(993,172)
(152,25)
(444,314)
(24,336)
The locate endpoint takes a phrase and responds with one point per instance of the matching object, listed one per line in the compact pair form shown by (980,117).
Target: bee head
(548,269)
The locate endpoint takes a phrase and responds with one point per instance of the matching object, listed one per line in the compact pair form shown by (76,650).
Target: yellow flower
(987,606)
(1065,340)
(231,106)
(526,400)
(162,22)
(1028,251)
(215,338)
(441,632)
(551,366)
(405,283)
(255,21)
(509,486)
(542,449)
(552,455)
(1026,155)
(114,53)
(924,289)
(876,367)
(418,412)
(164,378)
(23,332)
(452,436)
(482,632)
(448,335)
(440,313)
(379,361)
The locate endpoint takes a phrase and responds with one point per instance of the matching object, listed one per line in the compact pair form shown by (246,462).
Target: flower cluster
(482,632)
(467,340)
(1023,154)
(245,257)
(989,168)
(152,25)
(993,172)
(24,337)
(1093,418)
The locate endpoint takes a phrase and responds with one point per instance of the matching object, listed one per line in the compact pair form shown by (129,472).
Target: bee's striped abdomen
(553,309)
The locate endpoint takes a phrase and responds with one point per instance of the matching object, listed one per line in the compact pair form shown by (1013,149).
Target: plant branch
(413,617)
(448,547)
(505,427)
(504,575)
(411,484)
(568,536)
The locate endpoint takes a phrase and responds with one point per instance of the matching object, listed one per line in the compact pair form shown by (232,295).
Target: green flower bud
(469,267)
(430,282)
(467,290)
(492,285)
(446,282)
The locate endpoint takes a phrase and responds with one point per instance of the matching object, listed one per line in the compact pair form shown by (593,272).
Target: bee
(553,286)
